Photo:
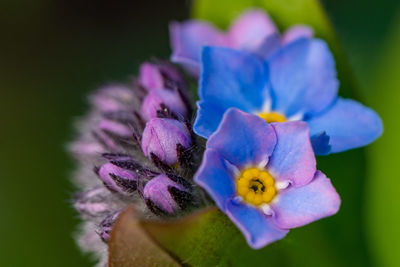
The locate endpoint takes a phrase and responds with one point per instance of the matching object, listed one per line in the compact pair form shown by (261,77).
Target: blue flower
(297,83)
(264,177)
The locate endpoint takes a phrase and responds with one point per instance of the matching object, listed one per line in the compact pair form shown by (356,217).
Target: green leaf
(382,195)
(129,245)
(209,238)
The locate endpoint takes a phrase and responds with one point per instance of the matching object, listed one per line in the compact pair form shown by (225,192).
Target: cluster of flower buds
(136,147)
(166,111)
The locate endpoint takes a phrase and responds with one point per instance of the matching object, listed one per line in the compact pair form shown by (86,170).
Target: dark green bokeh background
(53,53)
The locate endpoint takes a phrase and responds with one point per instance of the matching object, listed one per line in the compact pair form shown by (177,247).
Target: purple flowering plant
(267,104)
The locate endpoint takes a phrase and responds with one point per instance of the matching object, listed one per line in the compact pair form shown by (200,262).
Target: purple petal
(296,207)
(258,228)
(303,78)
(216,178)
(250,29)
(297,32)
(243,139)
(293,158)
(348,124)
(269,46)
(188,39)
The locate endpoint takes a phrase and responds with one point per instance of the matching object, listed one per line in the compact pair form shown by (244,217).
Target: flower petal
(225,82)
(320,143)
(303,78)
(296,207)
(269,46)
(188,39)
(208,118)
(233,78)
(215,177)
(297,32)
(258,229)
(293,158)
(349,124)
(250,29)
(243,139)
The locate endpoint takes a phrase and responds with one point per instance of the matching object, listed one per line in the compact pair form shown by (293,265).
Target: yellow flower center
(255,186)
(272,117)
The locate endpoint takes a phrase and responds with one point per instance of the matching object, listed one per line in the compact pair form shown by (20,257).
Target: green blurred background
(53,53)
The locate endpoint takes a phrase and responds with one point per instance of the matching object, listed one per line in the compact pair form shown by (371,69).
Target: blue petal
(231,78)
(320,143)
(258,229)
(349,124)
(243,139)
(216,178)
(303,78)
(296,207)
(293,158)
(209,115)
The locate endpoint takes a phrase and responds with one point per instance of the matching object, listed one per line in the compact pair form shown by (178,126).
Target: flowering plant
(267,105)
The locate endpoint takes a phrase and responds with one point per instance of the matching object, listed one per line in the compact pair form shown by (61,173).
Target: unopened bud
(118,179)
(164,195)
(150,77)
(115,128)
(93,203)
(105,227)
(160,75)
(163,137)
(112,98)
(170,98)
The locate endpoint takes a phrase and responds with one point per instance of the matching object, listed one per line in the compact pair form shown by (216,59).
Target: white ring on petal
(232,168)
(296,117)
(279,185)
(267,210)
(238,199)
(263,164)
(267,106)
